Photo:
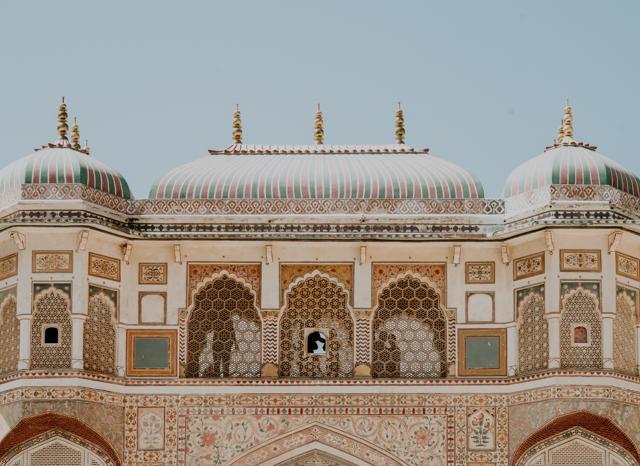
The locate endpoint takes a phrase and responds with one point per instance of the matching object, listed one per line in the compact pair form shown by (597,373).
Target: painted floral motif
(481,428)
(52,261)
(580,261)
(150,428)
(8,266)
(212,438)
(480,272)
(152,273)
(627,266)
(528,266)
(104,267)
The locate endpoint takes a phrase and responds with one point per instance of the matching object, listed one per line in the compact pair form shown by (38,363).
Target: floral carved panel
(104,267)
(628,266)
(152,273)
(481,428)
(52,261)
(480,272)
(580,260)
(8,266)
(528,266)
(151,428)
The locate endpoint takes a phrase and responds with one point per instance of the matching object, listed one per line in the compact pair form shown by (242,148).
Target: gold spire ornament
(560,135)
(237,126)
(400,132)
(319,133)
(86,149)
(567,124)
(75,135)
(63,127)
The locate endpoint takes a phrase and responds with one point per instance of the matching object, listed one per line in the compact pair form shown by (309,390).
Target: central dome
(318,172)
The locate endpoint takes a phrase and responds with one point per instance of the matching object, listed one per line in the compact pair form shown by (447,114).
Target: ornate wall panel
(628,266)
(624,331)
(224,331)
(316,302)
(480,272)
(409,332)
(580,260)
(580,325)
(51,307)
(199,273)
(8,266)
(100,330)
(343,272)
(533,331)
(528,266)
(104,267)
(152,273)
(382,273)
(151,428)
(9,330)
(52,261)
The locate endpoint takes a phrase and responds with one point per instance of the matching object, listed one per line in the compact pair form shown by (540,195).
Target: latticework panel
(56,454)
(624,334)
(9,335)
(533,333)
(580,308)
(316,302)
(100,332)
(409,332)
(51,306)
(576,453)
(224,332)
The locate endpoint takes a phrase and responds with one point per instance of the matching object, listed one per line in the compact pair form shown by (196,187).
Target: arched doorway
(577,439)
(52,439)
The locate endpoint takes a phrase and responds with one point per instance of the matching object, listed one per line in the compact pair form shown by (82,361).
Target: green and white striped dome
(56,164)
(318,172)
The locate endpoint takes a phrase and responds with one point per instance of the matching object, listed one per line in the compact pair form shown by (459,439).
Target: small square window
(580,334)
(50,335)
(316,341)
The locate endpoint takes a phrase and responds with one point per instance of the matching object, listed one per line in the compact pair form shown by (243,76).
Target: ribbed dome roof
(572,164)
(58,164)
(317,172)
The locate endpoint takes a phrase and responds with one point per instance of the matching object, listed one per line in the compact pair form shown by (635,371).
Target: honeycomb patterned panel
(224,332)
(317,302)
(409,332)
(56,454)
(9,335)
(533,333)
(51,306)
(100,333)
(624,333)
(580,307)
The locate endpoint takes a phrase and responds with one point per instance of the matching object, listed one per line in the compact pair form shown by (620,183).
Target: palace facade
(319,305)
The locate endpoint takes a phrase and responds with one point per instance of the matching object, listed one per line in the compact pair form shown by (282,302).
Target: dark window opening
(51,336)
(316,343)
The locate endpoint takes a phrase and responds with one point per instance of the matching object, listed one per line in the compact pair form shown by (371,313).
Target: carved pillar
(121,351)
(512,349)
(24,358)
(607,340)
(77,342)
(554,339)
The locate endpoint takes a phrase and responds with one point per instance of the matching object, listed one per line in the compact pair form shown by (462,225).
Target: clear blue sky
(483,83)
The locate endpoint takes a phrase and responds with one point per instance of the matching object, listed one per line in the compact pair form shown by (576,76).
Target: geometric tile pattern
(9,331)
(533,332)
(580,309)
(51,306)
(99,340)
(624,331)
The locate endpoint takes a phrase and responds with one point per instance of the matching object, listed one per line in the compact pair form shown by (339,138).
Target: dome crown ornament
(564,137)
(63,127)
(400,132)
(237,126)
(319,132)
(75,135)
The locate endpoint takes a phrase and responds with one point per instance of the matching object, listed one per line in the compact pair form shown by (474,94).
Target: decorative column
(638,347)
(607,340)
(512,349)
(121,352)
(77,342)
(553,320)
(24,358)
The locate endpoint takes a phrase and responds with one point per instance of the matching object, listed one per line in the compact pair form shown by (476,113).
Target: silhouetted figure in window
(316,343)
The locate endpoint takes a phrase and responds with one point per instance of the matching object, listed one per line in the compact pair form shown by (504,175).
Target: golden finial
(319,134)
(567,124)
(400,125)
(237,126)
(75,134)
(62,121)
(560,135)
(86,149)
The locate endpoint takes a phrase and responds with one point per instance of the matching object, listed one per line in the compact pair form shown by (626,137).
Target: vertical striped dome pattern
(572,165)
(58,165)
(305,172)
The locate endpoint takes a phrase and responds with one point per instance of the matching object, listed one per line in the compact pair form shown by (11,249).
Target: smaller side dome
(63,165)
(568,162)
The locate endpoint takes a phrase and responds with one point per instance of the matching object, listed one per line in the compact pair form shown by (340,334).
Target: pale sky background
(482,83)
